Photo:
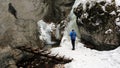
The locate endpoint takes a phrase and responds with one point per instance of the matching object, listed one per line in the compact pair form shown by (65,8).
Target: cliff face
(18,24)
(98,25)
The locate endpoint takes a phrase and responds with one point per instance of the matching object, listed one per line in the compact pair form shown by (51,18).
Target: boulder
(99,28)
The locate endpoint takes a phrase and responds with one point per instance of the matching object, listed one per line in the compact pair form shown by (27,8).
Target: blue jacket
(73,35)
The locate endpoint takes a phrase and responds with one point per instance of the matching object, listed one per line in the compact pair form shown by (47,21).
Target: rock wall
(18,25)
(97,24)
(58,9)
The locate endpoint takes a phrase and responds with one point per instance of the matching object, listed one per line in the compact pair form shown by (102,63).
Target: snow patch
(118,21)
(108,31)
(118,10)
(103,7)
(119,14)
(113,13)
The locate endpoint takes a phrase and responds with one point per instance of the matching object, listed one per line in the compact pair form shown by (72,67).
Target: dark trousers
(73,44)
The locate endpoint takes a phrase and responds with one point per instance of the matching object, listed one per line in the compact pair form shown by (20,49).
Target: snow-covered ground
(87,58)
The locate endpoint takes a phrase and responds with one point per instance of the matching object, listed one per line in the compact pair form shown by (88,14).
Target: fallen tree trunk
(41,59)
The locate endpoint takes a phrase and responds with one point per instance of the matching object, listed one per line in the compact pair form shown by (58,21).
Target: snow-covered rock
(101,17)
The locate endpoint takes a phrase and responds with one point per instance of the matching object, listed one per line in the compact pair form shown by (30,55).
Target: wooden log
(46,54)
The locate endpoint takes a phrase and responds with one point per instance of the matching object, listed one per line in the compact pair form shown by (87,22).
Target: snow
(108,31)
(118,10)
(85,15)
(119,14)
(113,13)
(97,23)
(117,2)
(87,58)
(103,7)
(45,31)
(117,21)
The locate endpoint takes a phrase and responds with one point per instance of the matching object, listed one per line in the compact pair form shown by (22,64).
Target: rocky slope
(18,25)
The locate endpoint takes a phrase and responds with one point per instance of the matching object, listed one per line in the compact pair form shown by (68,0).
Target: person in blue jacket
(73,38)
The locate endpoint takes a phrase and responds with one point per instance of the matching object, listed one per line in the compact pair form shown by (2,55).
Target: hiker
(73,37)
